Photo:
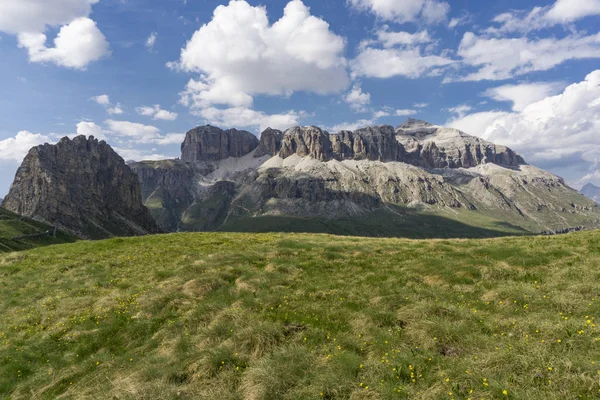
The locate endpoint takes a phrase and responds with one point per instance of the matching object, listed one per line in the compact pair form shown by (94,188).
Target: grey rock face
(270,143)
(209,143)
(414,142)
(81,186)
(431,146)
(592,192)
(308,141)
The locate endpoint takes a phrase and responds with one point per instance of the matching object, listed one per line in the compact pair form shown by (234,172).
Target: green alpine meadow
(302,316)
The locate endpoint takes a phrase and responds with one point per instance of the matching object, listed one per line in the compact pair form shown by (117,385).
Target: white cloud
(115,110)
(561,12)
(399,54)
(140,133)
(103,99)
(247,118)
(15,149)
(239,54)
(428,11)
(523,94)
(386,63)
(358,99)
(391,39)
(18,16)
(77,44)
(151,41)
(157,113)
(351,126)
(592,177)
(87,128)
(460,110)
(504,58)
(129,154)
(420,105)
(457,21)
(557,130)
(171,138)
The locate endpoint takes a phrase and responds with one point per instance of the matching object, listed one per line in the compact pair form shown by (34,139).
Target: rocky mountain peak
(80,185)
(591,191)
(209,143)
(413,123)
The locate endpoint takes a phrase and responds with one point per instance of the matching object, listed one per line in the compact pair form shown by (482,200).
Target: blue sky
(140,73)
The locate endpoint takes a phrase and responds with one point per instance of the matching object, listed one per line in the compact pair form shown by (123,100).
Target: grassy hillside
(392,221)
(12,225)
(300,316)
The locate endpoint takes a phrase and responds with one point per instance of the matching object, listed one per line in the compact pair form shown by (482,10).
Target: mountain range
(417,180)
(591,191)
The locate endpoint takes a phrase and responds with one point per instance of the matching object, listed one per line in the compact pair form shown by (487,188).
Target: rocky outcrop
(81,186)
(270,143)
(591,191)
(209,143)
(414,142)
(308,141)
(432,146)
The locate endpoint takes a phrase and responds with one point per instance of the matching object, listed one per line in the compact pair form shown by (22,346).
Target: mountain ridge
(308,173)
(591,191)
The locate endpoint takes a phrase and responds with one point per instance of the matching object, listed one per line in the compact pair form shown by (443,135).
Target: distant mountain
(83,187)
(417,180)
(591,191)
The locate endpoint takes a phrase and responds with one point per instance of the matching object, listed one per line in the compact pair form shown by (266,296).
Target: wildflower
(505,392)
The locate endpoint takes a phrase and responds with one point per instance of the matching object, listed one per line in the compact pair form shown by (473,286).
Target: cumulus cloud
(16,148)
(561,12)
(399,54)
(157,113)
(357,99)
(79,41)
(76,45)
(504,58)
(240,54)
(133,132)
(17,16)
(247,118)
(87,128)
(104,100)
(523,94)
(557,130)
(428,11)
(140,133)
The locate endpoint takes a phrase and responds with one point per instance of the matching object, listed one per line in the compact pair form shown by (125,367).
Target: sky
(141,73)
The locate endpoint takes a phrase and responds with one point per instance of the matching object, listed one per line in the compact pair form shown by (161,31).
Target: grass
(391,221)
(302,316)
(13,225)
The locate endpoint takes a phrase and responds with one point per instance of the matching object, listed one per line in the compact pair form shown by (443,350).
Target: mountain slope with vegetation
(298,316)
(30,233)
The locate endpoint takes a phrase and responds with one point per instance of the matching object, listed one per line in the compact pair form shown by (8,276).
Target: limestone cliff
(81,186)
(369,177)
(208,143)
